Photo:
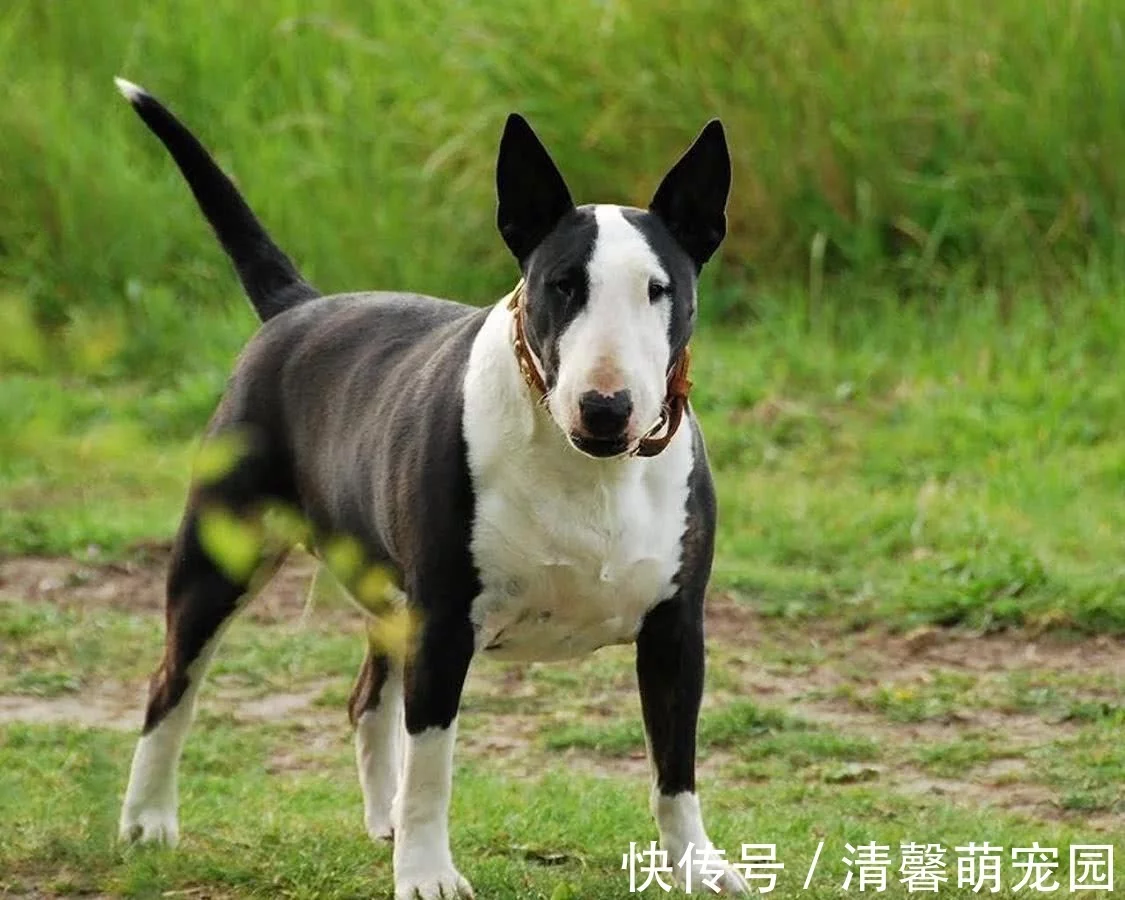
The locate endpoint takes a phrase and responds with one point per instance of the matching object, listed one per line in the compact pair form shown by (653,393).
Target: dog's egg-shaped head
(610,290)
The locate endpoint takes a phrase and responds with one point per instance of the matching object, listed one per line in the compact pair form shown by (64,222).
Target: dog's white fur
(619,341)
(150,812)
(680,822)
(379,737)
(129,90)
(572,551)
(422,859)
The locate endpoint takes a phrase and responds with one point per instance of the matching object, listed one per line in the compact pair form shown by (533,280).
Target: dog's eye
(565,288)
(657,290)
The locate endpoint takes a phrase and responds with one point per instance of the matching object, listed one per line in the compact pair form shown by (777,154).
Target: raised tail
(271,280)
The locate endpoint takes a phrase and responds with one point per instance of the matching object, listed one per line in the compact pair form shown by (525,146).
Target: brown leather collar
(675,400)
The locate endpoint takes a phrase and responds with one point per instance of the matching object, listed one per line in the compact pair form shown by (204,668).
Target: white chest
(565,571)
(572,552)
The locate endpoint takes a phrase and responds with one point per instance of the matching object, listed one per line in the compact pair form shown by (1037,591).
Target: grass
(923,144)
(58,651)
(270,806)
(908,371)
(248,832)
(901,433)
(972,450)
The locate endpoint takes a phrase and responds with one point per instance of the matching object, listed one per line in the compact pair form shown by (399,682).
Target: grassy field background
(808,734)
(928,145)
(908,370)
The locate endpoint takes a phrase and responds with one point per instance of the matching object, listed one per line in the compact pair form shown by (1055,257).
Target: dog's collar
(675,400)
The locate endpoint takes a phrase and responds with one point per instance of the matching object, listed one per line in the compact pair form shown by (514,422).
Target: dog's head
(610,291)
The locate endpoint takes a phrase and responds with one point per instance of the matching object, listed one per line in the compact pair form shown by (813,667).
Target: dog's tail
(271,280)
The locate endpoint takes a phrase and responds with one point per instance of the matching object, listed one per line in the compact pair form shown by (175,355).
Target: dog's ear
(692,198)
(532,194)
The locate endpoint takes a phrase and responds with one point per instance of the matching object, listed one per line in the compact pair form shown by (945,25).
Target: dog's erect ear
(532,193)
(692,198)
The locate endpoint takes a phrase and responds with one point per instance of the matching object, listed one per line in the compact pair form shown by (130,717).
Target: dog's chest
(571,551)
(566,569)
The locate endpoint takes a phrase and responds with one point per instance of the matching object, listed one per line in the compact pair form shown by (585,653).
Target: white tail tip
(129,91)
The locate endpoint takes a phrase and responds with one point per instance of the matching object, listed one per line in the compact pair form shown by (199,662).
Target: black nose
(605,415)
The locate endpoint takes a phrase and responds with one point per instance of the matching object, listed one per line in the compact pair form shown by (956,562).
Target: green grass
(936,700)
(924,144)
(974,451)
(1086,770)
(743,730)
(551,782)
(54,651)
(892,443)
(271,808)
(954,758)
(250,833)
(93,463)
(908,370)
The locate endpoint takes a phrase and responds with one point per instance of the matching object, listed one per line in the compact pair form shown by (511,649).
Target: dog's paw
(380,828)
(729,883)
(149,826)
(709,877)
(445,885)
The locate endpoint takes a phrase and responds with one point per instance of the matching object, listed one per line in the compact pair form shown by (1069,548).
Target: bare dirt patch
(879,652)
(119,706)
(109,706)
(137,584)
(1031,800)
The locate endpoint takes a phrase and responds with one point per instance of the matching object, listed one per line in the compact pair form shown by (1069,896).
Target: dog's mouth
(599,448)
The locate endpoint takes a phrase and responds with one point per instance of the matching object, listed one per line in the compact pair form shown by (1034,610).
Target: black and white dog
(520,469)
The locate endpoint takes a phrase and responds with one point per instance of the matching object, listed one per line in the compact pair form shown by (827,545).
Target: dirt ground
(810,670)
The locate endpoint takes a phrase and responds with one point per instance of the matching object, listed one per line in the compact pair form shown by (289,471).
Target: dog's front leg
(670,677)
(423,862)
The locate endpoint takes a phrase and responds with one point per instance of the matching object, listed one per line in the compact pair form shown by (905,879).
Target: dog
(531,474)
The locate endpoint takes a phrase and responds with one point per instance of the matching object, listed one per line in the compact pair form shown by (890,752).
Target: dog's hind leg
(376,711)
(202,597)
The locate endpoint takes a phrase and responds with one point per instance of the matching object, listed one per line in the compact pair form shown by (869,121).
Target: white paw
(696,864)
(729,882)
(149,826)
(380,827)
(445,885)
(709,874)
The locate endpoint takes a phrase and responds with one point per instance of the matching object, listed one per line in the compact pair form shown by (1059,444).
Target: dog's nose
(605,415)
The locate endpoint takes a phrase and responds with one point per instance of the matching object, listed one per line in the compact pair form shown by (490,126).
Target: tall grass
(909,143)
